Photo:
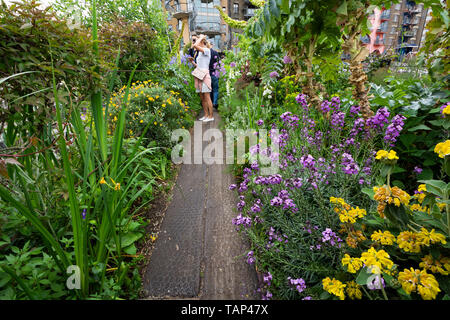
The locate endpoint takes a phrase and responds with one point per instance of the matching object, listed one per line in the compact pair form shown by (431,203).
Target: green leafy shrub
(151,105)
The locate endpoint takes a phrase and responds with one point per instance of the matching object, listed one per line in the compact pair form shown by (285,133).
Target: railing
(409,34)
(178,9)
(209,28)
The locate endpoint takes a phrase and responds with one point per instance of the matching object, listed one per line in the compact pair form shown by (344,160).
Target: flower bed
(318,230)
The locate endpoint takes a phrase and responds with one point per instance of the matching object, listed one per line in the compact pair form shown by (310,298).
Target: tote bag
(199,74)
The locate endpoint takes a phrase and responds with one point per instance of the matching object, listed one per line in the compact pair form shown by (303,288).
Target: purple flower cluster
(325,106)
(260,122)
(233,64)
(338,120)
(290,119)
(269,180)
(349,165)
(250,258)
(335,103)
(394,128)
(219,69)
(328,236)
(378,121)
(354,110)
(308,161)
(299,284)
(241,220)
(301,99)
(417,170)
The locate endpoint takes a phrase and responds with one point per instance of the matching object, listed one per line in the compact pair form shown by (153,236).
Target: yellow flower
(334,286)
(441,266)
(353,290)
(102,181)
(442,148)
(377,261)
(385,238)
(385,195)
(420,281)
(163,105)
(409,241)
(426,237)
(155,123)
(116,185)
(353,264)
(385,155)
(446,110)
(142,121)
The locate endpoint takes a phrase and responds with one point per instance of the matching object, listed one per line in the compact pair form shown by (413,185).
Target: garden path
(198,254)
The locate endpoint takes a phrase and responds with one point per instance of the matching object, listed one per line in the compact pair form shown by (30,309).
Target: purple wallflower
(277,201)
(335,103)
(329,236)
(325,106)
(337,120)
(267,296)
(308,161)
(250,259)
(260,122)
(349,165)
(301,99)
(232,186)
(354,110)
(299,284)
(241,220)
(379,119)
(232,64)
(394,129)
(267,278)
(255,208)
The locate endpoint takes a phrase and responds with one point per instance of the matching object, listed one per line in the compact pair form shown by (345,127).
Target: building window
(180,24)
(235,8)
(204,3)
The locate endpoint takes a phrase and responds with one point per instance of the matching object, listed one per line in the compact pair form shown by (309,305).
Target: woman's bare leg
(205,110)
(208,104)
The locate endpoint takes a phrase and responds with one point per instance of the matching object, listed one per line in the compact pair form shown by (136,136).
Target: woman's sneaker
(208,119)
(202,118)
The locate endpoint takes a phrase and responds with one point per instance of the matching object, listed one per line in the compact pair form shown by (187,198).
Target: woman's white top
(203,59)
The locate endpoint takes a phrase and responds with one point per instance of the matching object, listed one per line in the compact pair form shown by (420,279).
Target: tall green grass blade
(73,202)
(96,96)
(120,129)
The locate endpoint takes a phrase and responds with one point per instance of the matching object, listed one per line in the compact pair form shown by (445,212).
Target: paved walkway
(198,253)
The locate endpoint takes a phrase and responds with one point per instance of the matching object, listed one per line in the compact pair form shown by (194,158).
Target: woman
(204,86)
